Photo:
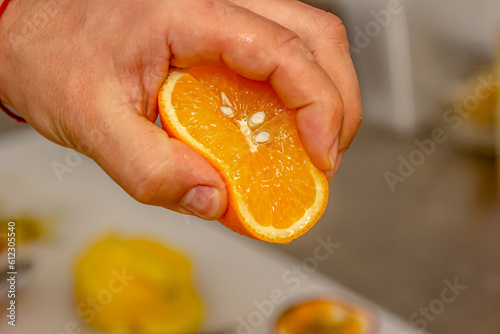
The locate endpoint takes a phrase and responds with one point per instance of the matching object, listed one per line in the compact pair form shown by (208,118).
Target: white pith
(245,130)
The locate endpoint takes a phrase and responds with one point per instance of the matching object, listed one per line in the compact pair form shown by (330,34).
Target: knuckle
(288,40)
(153,187)
(146,190)
(335,101)
(289,44)
(357,120)
(355,114)
(331,27)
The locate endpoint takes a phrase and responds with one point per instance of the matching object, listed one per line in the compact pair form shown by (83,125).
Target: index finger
(261,49)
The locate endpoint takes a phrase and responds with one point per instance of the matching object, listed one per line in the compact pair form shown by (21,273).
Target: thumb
(156,169)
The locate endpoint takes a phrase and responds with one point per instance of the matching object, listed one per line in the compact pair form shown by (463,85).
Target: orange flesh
(277,173)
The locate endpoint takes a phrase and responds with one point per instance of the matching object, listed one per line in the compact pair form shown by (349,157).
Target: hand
(325,36)
(85,74)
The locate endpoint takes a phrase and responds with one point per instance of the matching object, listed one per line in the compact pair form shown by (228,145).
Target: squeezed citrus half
(136,285)
(324,317)
(250,137)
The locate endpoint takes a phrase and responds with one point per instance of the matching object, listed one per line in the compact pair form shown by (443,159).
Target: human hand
(325,36)
(86,75)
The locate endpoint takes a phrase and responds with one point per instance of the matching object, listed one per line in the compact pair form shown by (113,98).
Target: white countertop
(233,273)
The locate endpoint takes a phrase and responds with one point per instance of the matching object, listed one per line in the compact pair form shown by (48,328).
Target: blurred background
(401,237)
(416,201)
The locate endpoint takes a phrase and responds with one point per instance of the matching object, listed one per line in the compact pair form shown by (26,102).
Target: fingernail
(333,154)
(330,174)
(339,161)
(202,201)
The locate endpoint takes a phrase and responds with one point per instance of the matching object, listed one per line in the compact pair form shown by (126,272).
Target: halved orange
(250,137)
(323,316)
(136,285)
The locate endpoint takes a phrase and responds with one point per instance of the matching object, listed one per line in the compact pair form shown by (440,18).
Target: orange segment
(244,130)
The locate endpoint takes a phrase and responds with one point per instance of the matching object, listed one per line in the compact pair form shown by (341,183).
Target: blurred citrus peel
(323,316)
(135,286)
(26,229)
(250,137)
